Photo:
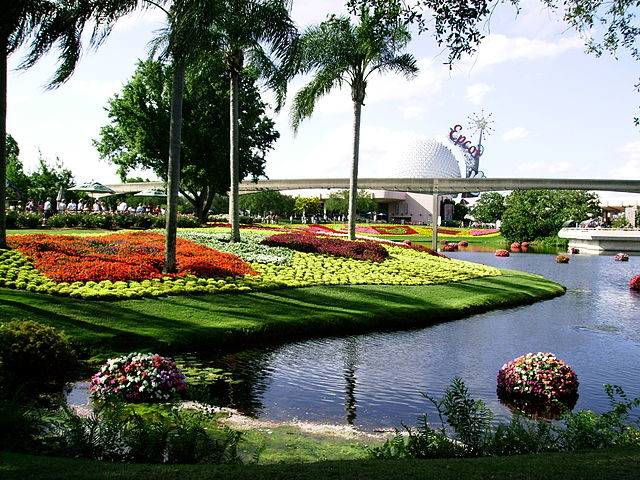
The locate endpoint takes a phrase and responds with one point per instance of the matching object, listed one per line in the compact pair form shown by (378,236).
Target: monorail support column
(435,215)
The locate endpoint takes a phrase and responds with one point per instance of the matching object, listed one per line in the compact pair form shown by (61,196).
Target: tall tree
(139,115)
(258,33)
(268,202)
(338,52)
(535,214)
(338,202)
(489,207)
(606,26)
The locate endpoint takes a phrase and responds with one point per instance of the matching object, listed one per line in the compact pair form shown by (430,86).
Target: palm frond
(305,100)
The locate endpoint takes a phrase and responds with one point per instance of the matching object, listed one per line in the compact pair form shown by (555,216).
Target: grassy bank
(619,463)
(174,324)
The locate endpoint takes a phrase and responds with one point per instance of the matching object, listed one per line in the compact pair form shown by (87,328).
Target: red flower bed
(330,246)
(501,252)
(121,256)
(463,243)
(634,283)
(484,232)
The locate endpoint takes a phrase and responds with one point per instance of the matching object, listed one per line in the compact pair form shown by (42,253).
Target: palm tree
(339,52)
(262,34)
(40,25)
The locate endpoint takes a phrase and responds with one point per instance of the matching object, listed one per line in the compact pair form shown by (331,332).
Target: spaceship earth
(427,159)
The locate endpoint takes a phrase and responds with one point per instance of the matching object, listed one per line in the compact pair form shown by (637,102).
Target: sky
(556,111)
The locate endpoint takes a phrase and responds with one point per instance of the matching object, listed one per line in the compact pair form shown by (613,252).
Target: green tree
(489,207)
(307,206)
(139,115)
(269,202)
(47,179)
(259,33)
(536,214)
(606,26)
(338,202)
(338,52)
(17,180)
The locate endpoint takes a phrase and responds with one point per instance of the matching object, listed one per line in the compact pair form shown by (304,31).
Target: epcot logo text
(462,142)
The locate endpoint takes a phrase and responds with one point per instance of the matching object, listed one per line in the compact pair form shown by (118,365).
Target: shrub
(137,377)
(34,355)
(634,283)
(501,252)
(562,259)
(451,247)
(463,243)
(538,383)
(516,245)
(119,434)
(621,257)
(366,250)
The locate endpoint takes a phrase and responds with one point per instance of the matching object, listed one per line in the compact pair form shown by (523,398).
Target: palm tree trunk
(234,195)
(173,174)
(3,142)
(353,180)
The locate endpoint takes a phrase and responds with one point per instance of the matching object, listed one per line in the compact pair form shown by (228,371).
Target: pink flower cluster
(634,283)
(366,250)
(501,252)
(138,377)
(484,232)
(538,374)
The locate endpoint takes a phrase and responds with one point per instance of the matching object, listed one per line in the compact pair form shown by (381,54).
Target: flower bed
(121,257)
(487,231)
(536,380)
(562,259)
(634,283)
(137,377)
(501,252)
(279,267)
(331,246)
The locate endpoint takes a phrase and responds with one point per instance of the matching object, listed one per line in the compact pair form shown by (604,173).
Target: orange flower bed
(121,256)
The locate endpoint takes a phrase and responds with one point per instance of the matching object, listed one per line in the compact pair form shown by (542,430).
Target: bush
(23,219)
(34,356)
(538,384)
(501,252)
(562,259)
(137,377)
(621,257)
(634,283)
(366,250)
(119,434)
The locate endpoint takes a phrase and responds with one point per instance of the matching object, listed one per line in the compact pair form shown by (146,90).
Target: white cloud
(498,48)
(631,168)
(515,134)
(477,92)
(531,166)
(412,112)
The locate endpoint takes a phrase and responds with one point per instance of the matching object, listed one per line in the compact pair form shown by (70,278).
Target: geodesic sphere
(427,159)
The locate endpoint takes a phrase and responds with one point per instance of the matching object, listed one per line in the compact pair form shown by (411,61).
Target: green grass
(619,464)
(188,323)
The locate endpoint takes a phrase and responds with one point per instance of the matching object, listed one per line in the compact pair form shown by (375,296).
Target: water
(374,380)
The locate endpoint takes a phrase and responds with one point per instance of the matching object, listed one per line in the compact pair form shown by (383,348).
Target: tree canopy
(269,202)
(137,135)
(489,207)
(535,214)
(338,202)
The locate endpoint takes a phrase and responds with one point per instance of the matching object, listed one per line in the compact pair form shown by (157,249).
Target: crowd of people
(49,208)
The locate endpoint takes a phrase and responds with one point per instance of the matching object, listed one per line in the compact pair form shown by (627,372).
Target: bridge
(440,186)
(433,186)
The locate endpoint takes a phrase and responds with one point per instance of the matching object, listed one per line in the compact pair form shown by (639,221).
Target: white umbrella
(151,192)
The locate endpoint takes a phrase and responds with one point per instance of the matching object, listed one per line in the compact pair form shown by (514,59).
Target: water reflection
(375,380)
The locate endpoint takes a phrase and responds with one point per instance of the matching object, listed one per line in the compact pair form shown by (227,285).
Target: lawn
(179,323)
(618,463)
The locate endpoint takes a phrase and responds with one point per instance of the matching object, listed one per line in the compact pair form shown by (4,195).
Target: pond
(375,380)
